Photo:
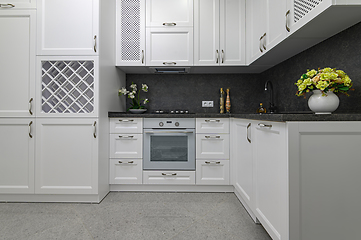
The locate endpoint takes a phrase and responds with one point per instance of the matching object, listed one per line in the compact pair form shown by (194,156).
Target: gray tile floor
(125,215)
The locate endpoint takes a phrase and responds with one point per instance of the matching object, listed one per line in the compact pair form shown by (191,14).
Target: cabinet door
(169,177)
(17,62)
(271,178)
(17,155)
(276,23)
(126,125)
(212,146)
(67,27)
(256,28)
(66,156)
(16,4)
(67,86)
(126,171)
(212,172)
(242,160)
(212,125)
(232,32)
(126,145)
(130,34)
(169,47)
(206,32)
(169,13)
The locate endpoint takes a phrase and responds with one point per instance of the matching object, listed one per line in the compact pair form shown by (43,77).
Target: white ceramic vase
(323,103)
(142,110)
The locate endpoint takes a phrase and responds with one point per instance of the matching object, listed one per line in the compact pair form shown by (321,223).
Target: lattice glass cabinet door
(130,33)
(68,87)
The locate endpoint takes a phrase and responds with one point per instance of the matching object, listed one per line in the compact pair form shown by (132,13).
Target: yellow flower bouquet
(326,79)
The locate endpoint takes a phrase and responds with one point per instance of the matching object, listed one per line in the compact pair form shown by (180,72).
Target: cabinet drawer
(126,125)
(212,146)
(126,145)
(212,125)
(212,172)
(169,177)
(126,171)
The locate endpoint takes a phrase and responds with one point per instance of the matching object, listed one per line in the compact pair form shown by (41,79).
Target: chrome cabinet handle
(169,63)
(287,28)
(6,5)
(212,120)
(248,139)
(168,132)
(222,56)
(262,125)
(142,56)
(126,120)
(217,56)
(30,106)
(129,162)
(169,174)
(169,24)
(264,36)
(31,123)
(260,44)
(95,43)
(209,137)
(214,162)
(126,136)
(95,129)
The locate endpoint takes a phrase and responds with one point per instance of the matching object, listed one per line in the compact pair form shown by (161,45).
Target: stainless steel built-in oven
(169,144)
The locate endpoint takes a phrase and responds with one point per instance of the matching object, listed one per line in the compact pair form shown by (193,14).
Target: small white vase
(142,110)
(324,103)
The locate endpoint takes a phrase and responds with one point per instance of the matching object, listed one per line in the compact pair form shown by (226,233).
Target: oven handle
(169,132)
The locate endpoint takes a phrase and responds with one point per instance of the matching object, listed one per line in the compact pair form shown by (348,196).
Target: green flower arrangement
(136,101)
(326,79)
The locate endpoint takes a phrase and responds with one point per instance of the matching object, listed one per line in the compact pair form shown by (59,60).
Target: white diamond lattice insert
(303,7)
(67,86)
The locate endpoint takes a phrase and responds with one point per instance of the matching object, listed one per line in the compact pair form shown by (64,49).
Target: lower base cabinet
(212,172)
(126,171)
(66,156)
(169,177)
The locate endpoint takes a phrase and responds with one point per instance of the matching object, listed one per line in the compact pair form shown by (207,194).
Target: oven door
(168,149)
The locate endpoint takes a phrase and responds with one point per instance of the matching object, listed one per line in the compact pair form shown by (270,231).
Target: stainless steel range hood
(169,70)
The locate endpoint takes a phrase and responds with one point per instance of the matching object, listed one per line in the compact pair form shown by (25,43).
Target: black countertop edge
(278,117)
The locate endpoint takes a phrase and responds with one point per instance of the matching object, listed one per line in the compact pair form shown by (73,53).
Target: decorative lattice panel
(130,30)
(67,87)
(303,7)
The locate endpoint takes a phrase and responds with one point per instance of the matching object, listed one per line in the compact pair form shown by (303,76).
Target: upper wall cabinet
(219,32)
(177,13)
(17,63)
(130,33)
(265,26)
(17,4)
(67,27)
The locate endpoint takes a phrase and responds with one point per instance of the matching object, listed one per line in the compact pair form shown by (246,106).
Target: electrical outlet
(207,103)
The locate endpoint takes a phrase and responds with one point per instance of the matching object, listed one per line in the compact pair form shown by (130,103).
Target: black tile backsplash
(186,91)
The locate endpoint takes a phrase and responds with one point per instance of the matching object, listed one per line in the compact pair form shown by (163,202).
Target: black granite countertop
(278,117)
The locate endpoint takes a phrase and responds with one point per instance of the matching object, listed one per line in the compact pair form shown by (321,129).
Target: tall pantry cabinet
(75,49)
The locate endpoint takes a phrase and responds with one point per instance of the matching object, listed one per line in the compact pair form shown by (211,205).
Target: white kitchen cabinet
(130,33)
(17,63)
(169,177)
(212,125)
(212,172)
(67,27)
(126,145)
(265,26)
(169,46)
(242,162)
(126,171)
(219,32)
(126,125)
(212,146)
(66,156)
(67,86)
(17,146)
(17,4)
(270,179)
(169,13)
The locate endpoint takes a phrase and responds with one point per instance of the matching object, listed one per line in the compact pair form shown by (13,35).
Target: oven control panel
(169,123)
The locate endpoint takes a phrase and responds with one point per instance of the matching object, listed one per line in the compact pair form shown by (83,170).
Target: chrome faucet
(272,108)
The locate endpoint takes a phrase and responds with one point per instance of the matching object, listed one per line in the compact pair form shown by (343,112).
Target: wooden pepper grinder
(228,102)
